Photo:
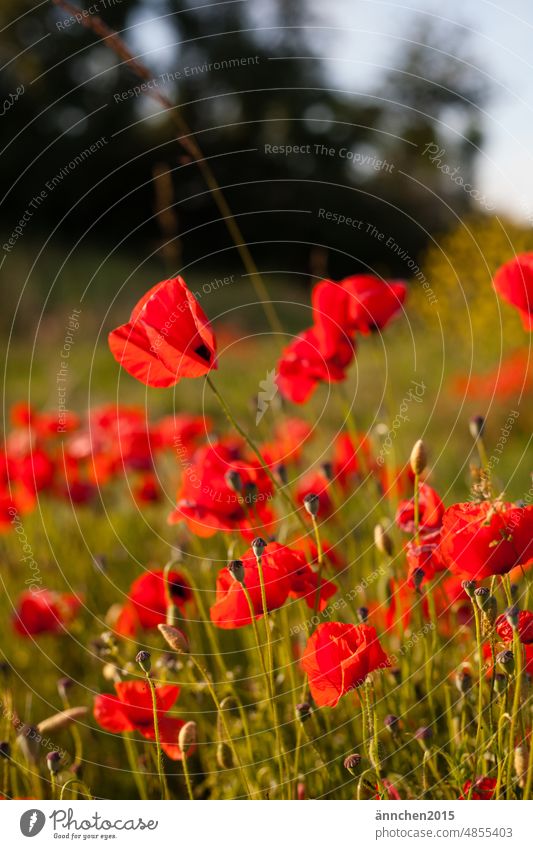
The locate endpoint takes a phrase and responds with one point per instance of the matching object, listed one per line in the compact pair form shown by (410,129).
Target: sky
(363,40)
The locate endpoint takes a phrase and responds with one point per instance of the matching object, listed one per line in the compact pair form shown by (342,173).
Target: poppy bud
(63,686)
(143,659)
(463,681)
(303,711)
(500,683)
(520,763)
(258,546)
(391,722)
(312,503)
(419,458)
(487,603)
(512,614)
(327,468)
(5,750)
(187,738)
(234,480)
(175,638)
(476,426)
(362,614)
(250,492)
(236,570)
(469,587)
(418,576)
(506,661)
(382,540)
(423,733)
(281,472)
(353,764)
(100,563)
(53,762)
(224,756)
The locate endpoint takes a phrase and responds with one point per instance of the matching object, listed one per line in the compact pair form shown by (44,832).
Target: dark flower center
(203,352)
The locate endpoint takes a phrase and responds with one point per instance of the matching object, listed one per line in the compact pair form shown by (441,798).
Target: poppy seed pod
(63,686)
(258,546)
(187,738)
(281,473)
(303,711)
(423,733)
(419,458)
(236,570)
(362,614)
(487,603)
(143,659)
(250,492)
(175,638)
(353,764)
(469,587)
(327,468)
(382,540)
(312,503)
(234,480)
(476,426)
(391,722)
(53,762)
(463,681)
(506,661)
(418,576)
(5,750)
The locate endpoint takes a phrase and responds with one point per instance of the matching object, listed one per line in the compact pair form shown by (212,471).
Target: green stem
(160,762)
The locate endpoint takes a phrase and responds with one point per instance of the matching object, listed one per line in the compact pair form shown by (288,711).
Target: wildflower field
(245,564)
(266,529)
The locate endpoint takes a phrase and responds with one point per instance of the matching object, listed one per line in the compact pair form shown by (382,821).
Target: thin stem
(160,762)
(187,777)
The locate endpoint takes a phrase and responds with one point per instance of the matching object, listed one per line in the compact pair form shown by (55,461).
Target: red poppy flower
(146,606)
(425,556)
(331,304)
(167,337)
(146,490)
(372,302)
(181,432)
(485,539)
(431,511)
(304,583)
(305,363)
(338,657)
(45,612)
(509,379)
(131,710)
(290,436)
(231,609)
(349,460)
(525,627)
(207,503)
(514,282)
(483,788)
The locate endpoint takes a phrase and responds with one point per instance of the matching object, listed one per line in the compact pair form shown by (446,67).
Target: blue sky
(364,41)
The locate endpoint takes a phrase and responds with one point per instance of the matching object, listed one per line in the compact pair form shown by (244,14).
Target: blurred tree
(232,69)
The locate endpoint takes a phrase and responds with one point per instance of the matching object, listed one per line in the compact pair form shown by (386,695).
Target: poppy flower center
(203,352)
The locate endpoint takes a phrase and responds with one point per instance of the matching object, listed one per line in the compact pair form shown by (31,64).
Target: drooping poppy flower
(431,511)
(425,556)
(514,283)
(167,337)
(479,540)
(304,364)
(146,605)
(44,612)
(207,503)
(525,627)
(231,609)
(131,710)
(483,788)
(338,657)
(372,302)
